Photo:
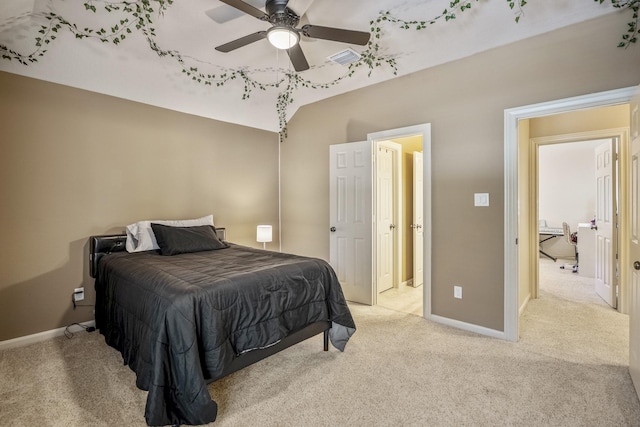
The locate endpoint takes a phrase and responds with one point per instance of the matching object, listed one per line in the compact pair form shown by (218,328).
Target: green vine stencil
(633,26)
(140,16)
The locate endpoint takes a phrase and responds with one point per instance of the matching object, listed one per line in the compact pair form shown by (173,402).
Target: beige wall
(616,116)
(75,163)
(464,101)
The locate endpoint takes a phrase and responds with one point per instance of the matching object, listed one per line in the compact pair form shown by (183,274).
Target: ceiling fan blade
(247,8)
(300,7)
(336,34)
(225,13)
(242,41)
(297,58)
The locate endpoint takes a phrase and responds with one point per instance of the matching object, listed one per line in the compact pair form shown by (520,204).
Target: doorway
(406,292)
(519,258)
(577,184)
(353,231)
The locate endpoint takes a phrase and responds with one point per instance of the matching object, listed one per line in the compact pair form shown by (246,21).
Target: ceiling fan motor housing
(280,14)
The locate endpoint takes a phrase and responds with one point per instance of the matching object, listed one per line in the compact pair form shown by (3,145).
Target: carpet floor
(570,368)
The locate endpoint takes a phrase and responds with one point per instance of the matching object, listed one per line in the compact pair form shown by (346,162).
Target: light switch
(481,199)
(457,292)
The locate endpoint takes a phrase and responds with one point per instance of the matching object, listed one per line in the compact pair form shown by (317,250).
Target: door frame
(511,118)
(424,131)
(397,210)
(622,136)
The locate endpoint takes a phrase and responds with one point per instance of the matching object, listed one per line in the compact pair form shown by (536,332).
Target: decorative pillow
(181,240)
(140,236)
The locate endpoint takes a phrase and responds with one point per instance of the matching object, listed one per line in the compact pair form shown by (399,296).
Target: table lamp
(264,235)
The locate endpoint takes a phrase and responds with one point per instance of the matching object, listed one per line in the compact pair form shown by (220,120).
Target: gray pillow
(180,240)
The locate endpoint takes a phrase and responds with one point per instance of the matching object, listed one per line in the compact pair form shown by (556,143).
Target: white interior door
(418,219)
(606,220)
(350,192)
(634,306)
(385,216)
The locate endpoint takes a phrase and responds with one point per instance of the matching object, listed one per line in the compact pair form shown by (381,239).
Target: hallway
(570,318)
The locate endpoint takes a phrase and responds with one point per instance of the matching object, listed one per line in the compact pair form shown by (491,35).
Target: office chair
(571,239)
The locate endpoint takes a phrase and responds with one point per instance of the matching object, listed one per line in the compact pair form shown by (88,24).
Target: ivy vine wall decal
(142,16)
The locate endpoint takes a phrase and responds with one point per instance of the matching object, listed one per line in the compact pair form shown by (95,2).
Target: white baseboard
(42,336)
(468,327)
(524,304)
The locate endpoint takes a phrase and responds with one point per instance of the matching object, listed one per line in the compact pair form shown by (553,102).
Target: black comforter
(180,321)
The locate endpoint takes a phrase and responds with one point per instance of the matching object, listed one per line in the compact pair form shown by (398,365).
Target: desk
(586,250)
(548,233)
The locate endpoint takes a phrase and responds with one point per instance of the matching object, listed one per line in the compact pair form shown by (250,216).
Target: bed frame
(105,244)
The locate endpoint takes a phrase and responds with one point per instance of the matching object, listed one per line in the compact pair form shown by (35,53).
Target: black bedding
(180,321)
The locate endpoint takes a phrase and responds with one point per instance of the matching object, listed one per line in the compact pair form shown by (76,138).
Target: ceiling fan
(283,33)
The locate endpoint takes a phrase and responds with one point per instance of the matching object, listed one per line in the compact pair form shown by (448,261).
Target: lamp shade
(264,234)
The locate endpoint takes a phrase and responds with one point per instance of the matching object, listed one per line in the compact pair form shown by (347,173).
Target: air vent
(345,57)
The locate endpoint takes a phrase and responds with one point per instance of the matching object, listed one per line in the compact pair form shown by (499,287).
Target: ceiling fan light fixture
(283,37)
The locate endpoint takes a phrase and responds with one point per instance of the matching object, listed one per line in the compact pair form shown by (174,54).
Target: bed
(185,320)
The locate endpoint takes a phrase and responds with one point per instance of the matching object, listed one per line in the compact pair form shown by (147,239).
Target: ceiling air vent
(345,57)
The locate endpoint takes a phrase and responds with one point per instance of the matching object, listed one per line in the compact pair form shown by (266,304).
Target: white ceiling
(133,71)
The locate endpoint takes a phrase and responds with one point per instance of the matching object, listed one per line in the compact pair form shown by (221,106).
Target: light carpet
(568,369)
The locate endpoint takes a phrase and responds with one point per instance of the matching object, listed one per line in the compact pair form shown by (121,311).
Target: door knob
(392,226)
(412,226)
(418,226)
(636,265)
(333,229)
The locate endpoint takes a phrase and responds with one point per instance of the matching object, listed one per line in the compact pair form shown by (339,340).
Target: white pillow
(140,235)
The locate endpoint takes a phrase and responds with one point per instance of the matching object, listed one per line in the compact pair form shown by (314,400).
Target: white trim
(468,327)
(511,118)
(524,304)
(423,130)
(42,336)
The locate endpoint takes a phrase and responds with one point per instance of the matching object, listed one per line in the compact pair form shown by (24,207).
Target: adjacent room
(403,162)
(575,188)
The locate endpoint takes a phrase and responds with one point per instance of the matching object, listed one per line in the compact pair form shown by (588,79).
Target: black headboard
(100,246)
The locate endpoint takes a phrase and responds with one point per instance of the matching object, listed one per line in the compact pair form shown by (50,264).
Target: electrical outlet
(457,292)
(78,294)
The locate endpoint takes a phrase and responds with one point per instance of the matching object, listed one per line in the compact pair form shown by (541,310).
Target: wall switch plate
(481,199)
(457,292)
(78,294)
